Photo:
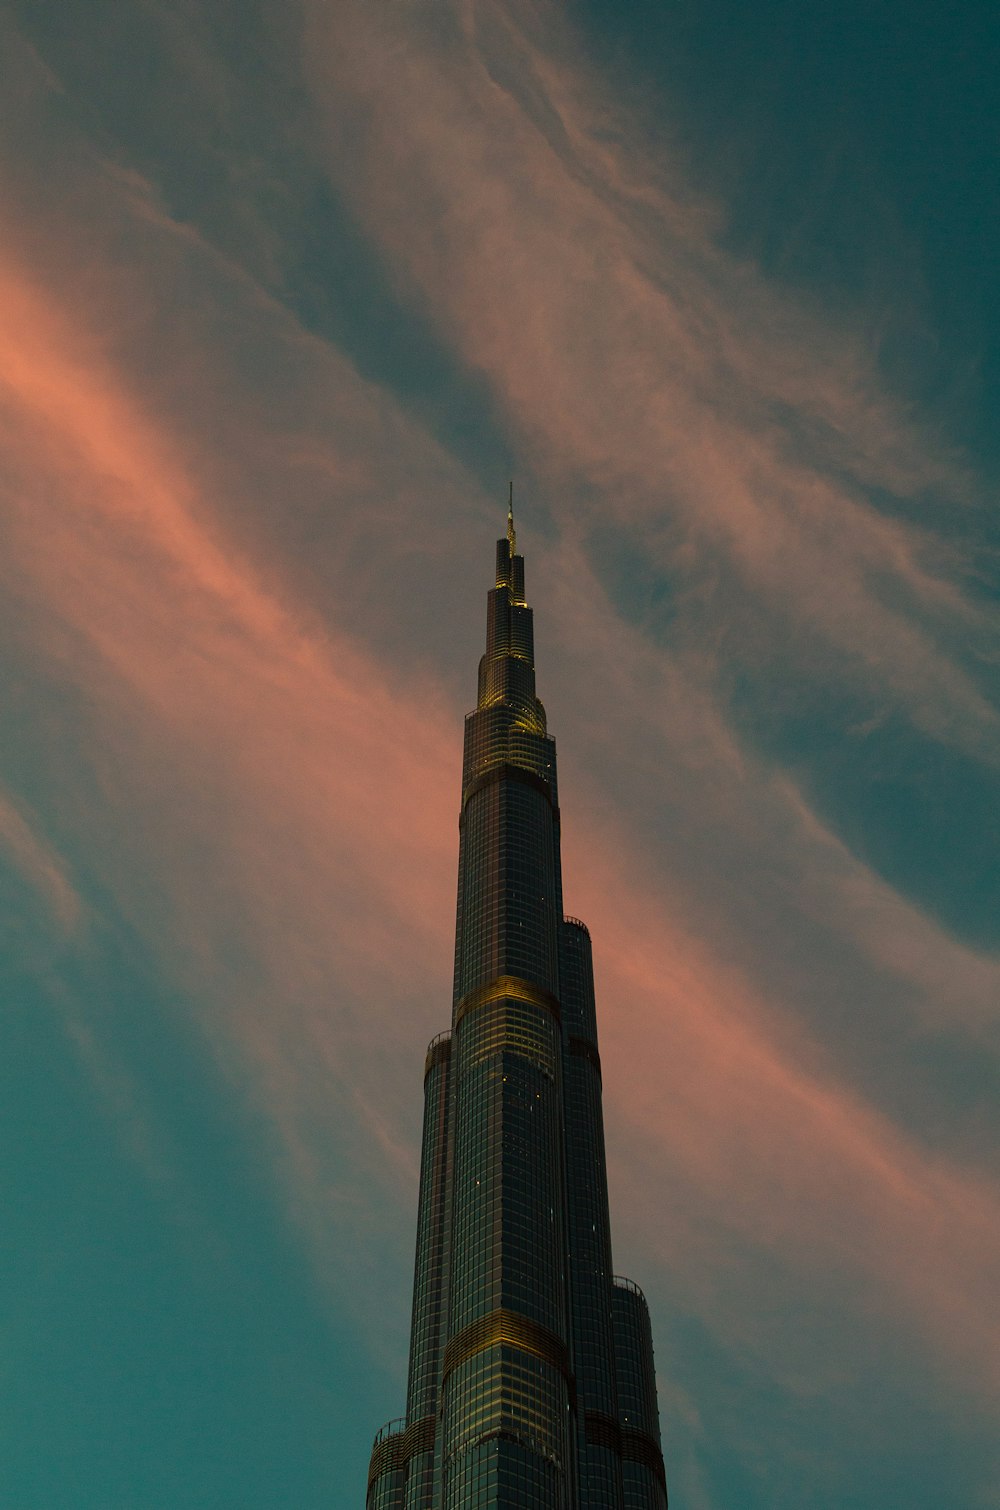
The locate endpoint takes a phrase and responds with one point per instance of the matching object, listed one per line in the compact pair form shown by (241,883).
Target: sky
(288,292)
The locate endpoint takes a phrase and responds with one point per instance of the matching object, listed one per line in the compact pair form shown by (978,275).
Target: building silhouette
(531,1378)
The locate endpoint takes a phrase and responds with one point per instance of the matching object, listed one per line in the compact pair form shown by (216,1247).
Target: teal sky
(287,293)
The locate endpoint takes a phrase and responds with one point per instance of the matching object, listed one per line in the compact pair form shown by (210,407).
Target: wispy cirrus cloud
(748,1106)
(276,802)
(713,815)
(750,1131)
(734,431)
(41,866)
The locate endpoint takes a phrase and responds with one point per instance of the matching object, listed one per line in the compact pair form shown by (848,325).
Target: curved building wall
(385,1470)
(509,890)
(430,1279)
(643,1479)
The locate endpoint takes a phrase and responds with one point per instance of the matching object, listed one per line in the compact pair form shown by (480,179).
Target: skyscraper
(531,1378)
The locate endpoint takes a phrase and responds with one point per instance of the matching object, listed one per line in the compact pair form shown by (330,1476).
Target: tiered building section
(531,1383)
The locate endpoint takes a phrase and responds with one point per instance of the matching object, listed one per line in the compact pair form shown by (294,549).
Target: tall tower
(531,1383)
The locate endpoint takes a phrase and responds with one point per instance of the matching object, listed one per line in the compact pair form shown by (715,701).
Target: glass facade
(531,1383)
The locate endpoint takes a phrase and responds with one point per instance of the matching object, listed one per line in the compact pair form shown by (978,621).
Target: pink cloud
(687,765)
(561,257)
(734,1115)
(279,814)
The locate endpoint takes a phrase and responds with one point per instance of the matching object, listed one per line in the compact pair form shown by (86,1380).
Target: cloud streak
(754,1130)
(277,815)
(40,865)
(644,370)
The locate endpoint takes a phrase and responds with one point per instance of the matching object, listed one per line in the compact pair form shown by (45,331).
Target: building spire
(511,537)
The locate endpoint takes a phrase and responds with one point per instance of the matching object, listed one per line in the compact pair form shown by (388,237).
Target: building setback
(531,1382)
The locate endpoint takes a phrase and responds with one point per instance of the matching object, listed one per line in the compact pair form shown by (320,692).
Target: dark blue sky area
(855,147)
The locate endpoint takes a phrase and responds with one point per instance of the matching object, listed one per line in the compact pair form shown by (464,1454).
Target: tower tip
(512,538)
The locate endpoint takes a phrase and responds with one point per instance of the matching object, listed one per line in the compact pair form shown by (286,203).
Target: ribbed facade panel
(590,1267)
(507,1236)
(510,904)
(433,1245)
(643,1479)
(521,1354)
(386,1469)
